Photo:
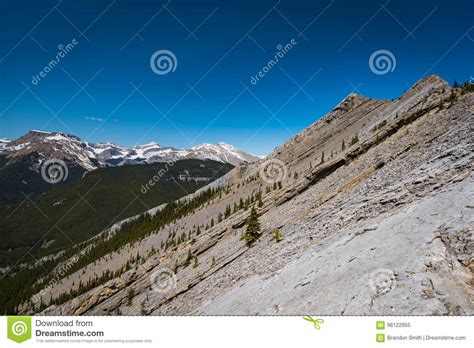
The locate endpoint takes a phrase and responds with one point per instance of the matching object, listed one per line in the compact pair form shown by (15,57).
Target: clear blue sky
(215,56)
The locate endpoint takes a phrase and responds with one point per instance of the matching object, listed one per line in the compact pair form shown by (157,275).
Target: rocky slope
(373,207)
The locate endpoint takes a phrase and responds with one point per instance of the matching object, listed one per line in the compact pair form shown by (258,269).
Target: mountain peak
(433,78)
(427,85)
(38,131)
(49,135)
(150,143)
(105,144)
(352,100)
(219,144)
(223,144)
(351,96)
(222,152)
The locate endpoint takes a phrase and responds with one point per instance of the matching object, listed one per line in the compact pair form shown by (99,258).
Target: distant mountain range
(91,156)
(24,161)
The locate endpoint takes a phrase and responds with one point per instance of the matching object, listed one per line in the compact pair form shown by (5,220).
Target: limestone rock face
(375,213)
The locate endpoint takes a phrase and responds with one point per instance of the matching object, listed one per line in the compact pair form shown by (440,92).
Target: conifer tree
(277,235)
(188,259)
(355,139)
(259,200)
(252,233)
(228,211)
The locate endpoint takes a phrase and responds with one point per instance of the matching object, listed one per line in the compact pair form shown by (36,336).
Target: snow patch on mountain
(3,143)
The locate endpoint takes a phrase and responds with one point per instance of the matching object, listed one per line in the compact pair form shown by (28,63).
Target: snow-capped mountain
(91,156)
(113,154)
(3,142)
(220,152)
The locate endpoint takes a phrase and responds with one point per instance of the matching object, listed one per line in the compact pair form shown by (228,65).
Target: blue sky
(218,46)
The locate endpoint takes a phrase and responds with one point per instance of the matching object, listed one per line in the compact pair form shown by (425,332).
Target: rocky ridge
(380,224)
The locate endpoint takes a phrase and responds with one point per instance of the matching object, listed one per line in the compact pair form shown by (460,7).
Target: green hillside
(17,181)
(75,212)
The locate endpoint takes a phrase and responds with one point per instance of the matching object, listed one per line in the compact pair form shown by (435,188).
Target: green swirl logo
(19,328)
